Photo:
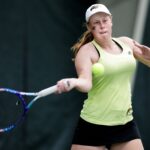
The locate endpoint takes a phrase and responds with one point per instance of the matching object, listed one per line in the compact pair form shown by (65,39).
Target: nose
(102,25)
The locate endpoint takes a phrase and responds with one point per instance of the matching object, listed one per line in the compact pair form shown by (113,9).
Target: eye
(104,20)
(96,22)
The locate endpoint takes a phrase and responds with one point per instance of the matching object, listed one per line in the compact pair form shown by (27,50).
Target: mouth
(103,32)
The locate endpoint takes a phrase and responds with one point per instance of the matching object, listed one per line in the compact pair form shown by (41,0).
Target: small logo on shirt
(129,111)
(129,52)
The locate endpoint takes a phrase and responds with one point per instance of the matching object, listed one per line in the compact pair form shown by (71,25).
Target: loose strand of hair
(85,38)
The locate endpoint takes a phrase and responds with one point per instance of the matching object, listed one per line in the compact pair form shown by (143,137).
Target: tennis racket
(14,107)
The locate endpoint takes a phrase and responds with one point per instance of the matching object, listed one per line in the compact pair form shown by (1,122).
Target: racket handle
(47,91)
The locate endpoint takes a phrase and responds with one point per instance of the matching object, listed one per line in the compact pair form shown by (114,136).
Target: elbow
(85,87)
(89,87)
(86,90)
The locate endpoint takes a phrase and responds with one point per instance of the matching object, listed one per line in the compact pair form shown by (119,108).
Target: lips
(103,32)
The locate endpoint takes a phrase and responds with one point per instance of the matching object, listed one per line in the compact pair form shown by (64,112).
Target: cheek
(111,24)
(93,28)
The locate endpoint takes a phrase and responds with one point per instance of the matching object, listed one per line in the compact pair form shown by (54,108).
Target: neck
(105,43)
(110,46)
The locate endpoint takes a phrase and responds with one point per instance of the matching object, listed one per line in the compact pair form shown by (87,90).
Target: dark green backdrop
(141,94)
(35,41)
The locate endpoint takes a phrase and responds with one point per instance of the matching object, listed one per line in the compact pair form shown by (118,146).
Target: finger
(142,47)
(67,84)
(58,89)
(137,44)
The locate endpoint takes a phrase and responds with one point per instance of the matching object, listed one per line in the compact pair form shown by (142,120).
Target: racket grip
(47,91)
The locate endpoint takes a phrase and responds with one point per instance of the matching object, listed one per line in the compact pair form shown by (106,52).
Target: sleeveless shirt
(109,100)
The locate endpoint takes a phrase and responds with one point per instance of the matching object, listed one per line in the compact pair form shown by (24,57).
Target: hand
(143,50)
(65,85)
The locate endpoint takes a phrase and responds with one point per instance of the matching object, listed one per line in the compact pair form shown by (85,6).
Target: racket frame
(26,106)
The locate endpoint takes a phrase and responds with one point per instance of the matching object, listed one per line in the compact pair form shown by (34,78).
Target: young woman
(106,119)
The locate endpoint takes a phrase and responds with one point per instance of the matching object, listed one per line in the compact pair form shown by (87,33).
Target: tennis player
(106,120)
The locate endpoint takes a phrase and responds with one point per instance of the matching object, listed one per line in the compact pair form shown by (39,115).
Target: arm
(140,52)
(83,64)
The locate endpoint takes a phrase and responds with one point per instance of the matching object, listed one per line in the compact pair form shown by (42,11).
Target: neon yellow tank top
(109,100)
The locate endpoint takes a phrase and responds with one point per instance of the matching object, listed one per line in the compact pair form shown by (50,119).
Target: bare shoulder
(87,51)
(127,41)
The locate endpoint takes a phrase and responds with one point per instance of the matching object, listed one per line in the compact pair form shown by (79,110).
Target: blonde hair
(85,38)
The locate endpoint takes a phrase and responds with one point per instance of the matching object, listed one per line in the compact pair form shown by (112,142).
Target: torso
(105,105)
(117,49)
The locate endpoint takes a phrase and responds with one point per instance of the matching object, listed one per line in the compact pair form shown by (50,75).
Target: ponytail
(85,38)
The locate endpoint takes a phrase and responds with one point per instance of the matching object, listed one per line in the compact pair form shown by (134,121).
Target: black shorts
(100,135)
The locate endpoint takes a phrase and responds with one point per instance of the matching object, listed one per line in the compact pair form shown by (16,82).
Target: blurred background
(35,41)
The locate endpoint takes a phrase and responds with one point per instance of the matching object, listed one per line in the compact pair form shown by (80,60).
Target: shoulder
(86,48)
(125,39)
(87,51)
(128,41)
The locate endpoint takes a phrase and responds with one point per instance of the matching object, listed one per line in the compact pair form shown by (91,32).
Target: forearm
(83,85)
(142,53)
(143,58)
(145,61)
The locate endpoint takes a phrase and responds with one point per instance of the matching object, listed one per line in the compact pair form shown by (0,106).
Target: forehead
(99,15)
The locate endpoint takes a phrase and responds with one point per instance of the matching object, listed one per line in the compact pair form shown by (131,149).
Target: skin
(100,25)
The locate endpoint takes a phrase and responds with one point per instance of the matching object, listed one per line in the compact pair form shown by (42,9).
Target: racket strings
(11,109)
